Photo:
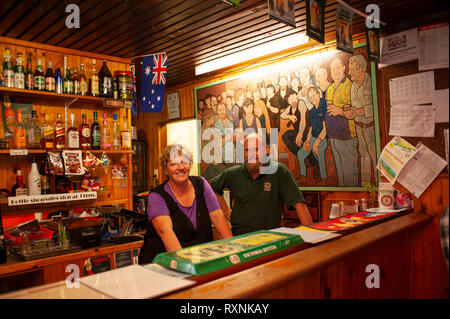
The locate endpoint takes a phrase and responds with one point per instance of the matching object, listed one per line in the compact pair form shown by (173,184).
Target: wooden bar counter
(333,269)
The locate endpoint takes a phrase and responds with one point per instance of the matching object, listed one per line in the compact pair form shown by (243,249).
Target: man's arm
(303,213)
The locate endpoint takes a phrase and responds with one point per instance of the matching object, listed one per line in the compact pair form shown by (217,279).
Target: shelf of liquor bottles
(33,94)
(48,207)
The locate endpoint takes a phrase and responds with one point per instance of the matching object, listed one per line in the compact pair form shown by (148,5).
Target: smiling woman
(180,211)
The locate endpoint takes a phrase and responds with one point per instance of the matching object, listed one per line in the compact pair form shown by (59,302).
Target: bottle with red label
(73,136)
(85,134)
(29,76)
(60,133)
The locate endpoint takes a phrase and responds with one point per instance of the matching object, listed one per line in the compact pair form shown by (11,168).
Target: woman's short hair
(174,150)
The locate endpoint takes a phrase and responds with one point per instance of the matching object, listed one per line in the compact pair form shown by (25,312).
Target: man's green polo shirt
(258,204)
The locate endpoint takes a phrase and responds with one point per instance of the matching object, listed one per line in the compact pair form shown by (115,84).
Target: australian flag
(154,70)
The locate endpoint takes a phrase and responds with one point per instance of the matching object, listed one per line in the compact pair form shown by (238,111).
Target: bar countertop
(262,278)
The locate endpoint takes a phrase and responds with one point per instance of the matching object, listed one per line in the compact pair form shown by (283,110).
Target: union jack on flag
(154,70)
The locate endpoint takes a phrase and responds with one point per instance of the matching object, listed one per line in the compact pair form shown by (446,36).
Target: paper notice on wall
(433,47)
(412,120)
(394,157)
(399,47)
(440,102)
(412,89)
(421,170)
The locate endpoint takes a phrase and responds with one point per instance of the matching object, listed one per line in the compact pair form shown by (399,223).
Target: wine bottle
(50,84)
(106,134)
(8,70)
(105,81)
(34,132)
(39,79)
(29,77)
(84,87)
(95,134)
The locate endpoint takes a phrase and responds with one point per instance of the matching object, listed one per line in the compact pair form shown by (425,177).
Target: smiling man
(260,189)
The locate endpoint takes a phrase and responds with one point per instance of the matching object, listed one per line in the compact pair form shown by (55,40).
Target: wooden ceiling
(189,31)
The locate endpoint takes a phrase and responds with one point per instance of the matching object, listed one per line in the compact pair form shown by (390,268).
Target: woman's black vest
(184,230)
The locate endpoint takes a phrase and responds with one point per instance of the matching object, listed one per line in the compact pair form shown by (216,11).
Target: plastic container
(42,233)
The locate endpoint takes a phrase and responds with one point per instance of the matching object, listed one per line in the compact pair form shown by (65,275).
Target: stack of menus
(212,256)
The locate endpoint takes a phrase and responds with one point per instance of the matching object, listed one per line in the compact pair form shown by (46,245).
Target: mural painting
(321,108)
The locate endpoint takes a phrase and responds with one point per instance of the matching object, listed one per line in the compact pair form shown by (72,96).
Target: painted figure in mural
(340,130)
(214,166)
(238,112)
(316,140)
(249,121)
(226,129)
(260,111)
(297,114)
(322,80)
(305,82)
(274,102)
(362,112)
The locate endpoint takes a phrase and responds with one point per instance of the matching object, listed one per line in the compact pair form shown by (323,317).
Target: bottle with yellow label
(20,136)
(48,134)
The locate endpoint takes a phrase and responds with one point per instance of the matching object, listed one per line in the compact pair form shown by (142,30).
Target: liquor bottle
(106,134)
(76,81)
(50,84)
(19,188)
(68,84)
(126,135)
(33,132)
(45,179)
(95,134)
(105,81)
(116,133)
(34,180)
(39,78)
(29,77)
(59,88)
(73,136)
(94,81)
(115,91)
(60,133)
(85,134)
(8,70)
(19,72)
(20,134)
(84,87)
(48,134)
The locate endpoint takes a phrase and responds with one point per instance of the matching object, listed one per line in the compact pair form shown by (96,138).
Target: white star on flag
(147,70)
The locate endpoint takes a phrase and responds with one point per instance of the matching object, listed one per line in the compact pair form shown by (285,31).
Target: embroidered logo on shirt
(267,186)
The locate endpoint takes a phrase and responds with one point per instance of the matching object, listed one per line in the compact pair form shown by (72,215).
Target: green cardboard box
(215,255)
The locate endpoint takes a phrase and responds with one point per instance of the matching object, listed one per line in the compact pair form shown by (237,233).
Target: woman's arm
(219,221)
(164,228)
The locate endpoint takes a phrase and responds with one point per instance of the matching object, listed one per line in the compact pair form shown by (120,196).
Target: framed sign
(315,20)
(173,105)
(322,111)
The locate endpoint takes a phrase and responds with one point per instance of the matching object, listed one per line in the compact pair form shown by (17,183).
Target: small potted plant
(372,190)
(63,239)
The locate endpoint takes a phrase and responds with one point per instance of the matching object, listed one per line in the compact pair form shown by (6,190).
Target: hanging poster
(282,10)
(344,38)
(399,47)
(373,44)
(318,111)
(315,20)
